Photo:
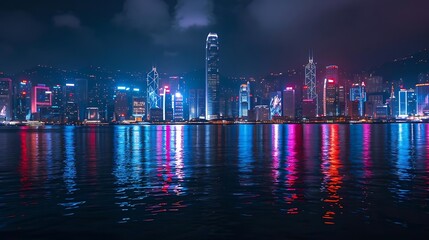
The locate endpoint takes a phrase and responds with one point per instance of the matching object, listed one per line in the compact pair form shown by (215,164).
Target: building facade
(212,77)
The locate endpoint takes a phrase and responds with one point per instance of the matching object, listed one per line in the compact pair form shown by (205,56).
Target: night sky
(256,36)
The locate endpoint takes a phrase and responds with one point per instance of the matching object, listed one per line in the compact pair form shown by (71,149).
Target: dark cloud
(144,15)
(67,20)
(18,27)
(194,13)
(256,36)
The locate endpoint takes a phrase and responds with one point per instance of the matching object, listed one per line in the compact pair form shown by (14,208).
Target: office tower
(375,95)
(357,99)
(167,104)
(5,99)
(178,106)
(288,104)
(407,103)
(330,88)
(196,103)
(275,104)
(23,101)
(244,100)
(122,103)
(153,97)
(81,97)
(57,108)
(41,101)
(100,97)
(70,103)
(138,105)
(310,97)
(212,77)
(341,107)
(422,92)
(261,112)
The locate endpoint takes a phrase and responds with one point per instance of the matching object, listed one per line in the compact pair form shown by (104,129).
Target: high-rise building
(212,77)
(41,101)
(275,104)
(57,108)
(244,100)
(81,97)
(5,99)
(196,103)
(138,105)
(422,92)
(330,96)
(342,103)
(407,102)
(178,106)
(23,101)
(167,104)
(153,97)
(122,103)
(310,96)
(100,97)
(288,104)
(70,103)
(357,99)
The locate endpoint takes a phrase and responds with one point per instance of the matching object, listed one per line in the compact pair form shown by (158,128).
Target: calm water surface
(215,182)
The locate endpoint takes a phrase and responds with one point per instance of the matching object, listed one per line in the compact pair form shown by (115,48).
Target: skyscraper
(422,92)
(196,103)
(5,99)
(23,101)
(330,101)
(357,99)
(244,100)
(288,104)
(70,103)
(57,108)
(406,102)
(212,77)
(153,97)
(122,103)
(41,100)
(310,94)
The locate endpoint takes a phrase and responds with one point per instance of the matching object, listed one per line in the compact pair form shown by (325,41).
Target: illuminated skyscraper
(70,103)
(5,99)
(57,108)
(122,103)
(212,77)
(407,104)
(244,100)
(357,99)
(23,101)
(422,92)
(153,97)
(41,100)
(330,101)
(310,90)
(196,103)
(138,104)
(178,106)
(288,103)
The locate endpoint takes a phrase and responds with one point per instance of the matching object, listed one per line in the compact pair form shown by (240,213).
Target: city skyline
(130,34)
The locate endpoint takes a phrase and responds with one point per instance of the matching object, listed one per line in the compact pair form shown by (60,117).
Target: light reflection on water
(217,180)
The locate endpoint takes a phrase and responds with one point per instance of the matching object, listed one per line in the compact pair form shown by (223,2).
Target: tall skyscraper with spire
(153,97)
(310,98)
(212,76)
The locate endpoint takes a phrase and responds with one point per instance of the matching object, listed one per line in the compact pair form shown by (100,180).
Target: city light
(70,84)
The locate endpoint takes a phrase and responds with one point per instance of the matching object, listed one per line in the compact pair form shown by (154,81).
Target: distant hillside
(408,68)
